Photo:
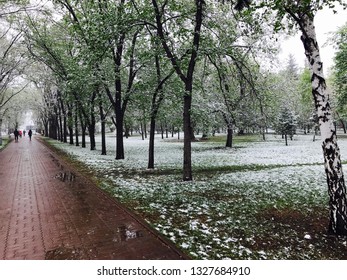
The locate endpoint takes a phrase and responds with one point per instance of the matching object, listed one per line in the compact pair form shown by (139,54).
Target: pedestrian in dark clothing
(16,133)
(30,133)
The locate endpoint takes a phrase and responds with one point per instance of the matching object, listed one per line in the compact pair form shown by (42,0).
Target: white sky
(326,21)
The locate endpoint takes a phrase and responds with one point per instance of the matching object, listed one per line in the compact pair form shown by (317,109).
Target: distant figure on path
(24,133)
(30,133)
(16,133)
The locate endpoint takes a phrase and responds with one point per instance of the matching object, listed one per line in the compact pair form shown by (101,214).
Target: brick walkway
(48,211)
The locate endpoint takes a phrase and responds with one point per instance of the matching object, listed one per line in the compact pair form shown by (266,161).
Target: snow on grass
(220,214)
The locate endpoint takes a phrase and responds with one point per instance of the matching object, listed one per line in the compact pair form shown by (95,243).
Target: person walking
(16,133)
(30,133)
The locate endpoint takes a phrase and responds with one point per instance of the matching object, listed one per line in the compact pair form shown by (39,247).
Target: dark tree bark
(53,127)
(70,124)
(142,132)
(229,143)
(91,128)
(76,126)
(151,143)
(103,126)
(59,124)
(46,125)
(83,127)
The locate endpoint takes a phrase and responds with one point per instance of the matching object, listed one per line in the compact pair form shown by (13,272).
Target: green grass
(5,142)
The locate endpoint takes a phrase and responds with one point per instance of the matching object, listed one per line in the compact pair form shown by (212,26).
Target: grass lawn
(5,141)
(258,200)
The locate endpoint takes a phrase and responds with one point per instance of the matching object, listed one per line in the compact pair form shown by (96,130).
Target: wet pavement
(50,211)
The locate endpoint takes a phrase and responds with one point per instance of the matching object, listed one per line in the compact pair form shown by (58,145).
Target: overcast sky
(326,21)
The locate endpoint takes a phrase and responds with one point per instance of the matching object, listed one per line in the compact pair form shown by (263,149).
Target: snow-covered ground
(216,215)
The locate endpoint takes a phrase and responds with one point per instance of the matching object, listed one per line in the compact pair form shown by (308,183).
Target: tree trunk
(331,151)
(187,79)
(151,143)
(91,130)
(142,132)
(64,128)
(76,127)
(126,130)
(187,129)
(52,130)
(84,127)
(103,126)
(119,135)
(63,121)
(60,126)
(84,137)
(229,123)
(229,143)
(103,137)
(70,125)
(343,126)
(46,125)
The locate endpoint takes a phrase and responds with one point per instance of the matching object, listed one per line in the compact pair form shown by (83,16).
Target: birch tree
(300,14)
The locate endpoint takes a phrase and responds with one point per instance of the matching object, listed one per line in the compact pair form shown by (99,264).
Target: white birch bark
(331,151)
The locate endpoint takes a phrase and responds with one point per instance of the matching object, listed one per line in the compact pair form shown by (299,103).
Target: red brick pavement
(48,211)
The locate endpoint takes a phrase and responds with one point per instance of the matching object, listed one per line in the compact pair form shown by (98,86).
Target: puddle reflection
(65,176)
(126,234)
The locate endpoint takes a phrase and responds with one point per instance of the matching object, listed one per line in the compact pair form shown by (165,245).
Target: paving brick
(43,215)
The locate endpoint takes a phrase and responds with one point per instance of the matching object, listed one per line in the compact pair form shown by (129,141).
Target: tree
(286,123)
(186,74)
(300,14)
(106,37)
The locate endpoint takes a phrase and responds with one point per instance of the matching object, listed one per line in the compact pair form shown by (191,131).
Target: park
(174,126)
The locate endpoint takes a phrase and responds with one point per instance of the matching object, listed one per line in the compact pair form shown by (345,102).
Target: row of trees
(148,59)
(135,60)
(229,87)
(11,65)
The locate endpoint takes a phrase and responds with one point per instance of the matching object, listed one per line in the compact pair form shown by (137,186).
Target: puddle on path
(125,234)
(65,176)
